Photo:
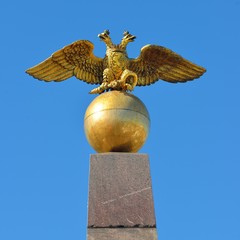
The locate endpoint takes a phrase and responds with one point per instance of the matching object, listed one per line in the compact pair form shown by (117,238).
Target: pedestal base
(122,234)
(120,204)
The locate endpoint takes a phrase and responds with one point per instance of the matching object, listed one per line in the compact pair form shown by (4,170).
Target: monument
(116,124)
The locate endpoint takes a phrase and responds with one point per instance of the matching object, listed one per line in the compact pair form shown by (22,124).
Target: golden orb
(116,121)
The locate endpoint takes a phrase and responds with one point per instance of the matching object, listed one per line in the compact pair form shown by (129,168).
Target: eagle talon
(128,87)
(114,84)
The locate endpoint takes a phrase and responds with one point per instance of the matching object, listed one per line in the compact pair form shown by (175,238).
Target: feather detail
(156,62)
(76,59)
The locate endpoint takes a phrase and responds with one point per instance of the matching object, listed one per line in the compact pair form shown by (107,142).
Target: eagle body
(117,62)
(115,71)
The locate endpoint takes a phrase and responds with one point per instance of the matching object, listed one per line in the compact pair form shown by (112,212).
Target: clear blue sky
(194,140)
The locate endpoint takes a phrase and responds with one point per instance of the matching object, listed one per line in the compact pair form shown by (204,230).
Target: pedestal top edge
(118,153)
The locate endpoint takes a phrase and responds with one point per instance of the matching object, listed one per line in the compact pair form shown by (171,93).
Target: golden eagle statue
(115,70)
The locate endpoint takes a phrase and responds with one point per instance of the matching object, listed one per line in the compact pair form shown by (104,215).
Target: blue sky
(194,142)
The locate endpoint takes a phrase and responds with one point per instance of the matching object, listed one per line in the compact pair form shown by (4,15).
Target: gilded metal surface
(116,122)
(116,70)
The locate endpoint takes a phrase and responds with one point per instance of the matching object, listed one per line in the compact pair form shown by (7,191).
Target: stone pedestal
(120,202)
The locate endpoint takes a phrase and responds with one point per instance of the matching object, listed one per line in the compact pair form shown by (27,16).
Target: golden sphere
(116,122)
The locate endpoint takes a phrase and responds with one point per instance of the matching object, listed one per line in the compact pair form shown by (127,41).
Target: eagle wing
(76,59)
(157,62)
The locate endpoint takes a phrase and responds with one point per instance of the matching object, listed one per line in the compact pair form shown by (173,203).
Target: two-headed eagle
(115,70)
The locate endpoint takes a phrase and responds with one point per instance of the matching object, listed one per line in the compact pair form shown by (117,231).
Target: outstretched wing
(76,59)
(156,62)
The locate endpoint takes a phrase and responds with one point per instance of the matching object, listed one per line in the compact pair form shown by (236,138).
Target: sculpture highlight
(116,121)
(115,71)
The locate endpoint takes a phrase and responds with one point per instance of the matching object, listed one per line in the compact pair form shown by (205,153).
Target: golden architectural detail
(116,121)
(115,71)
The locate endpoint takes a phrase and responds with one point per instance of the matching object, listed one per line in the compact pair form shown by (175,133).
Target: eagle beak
(103,36)
(129,37)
